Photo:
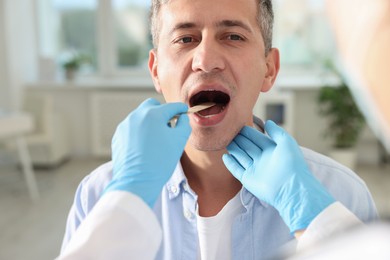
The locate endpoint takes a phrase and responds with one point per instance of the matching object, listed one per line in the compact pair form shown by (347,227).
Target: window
(302,33)
(67,28)
(111,35)
(132,38)
(276,112)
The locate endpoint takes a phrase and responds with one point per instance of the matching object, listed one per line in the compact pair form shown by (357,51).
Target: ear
(273,66)
(153,65)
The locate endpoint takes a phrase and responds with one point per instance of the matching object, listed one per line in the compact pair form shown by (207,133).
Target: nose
(208,56)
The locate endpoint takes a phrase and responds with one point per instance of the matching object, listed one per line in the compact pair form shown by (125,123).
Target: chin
(208,142)
(208,147)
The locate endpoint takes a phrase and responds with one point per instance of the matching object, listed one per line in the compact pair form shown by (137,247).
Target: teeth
(208,116)
(205,116)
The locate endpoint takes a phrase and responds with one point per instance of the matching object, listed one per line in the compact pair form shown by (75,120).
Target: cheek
(169,80)
(244,105)
(252,83)
(249,92)
(174,71)
(170,93)
(252,72)
(249,75)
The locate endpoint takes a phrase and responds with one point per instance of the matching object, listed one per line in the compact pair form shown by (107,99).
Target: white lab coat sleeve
(331,221)
(120,226)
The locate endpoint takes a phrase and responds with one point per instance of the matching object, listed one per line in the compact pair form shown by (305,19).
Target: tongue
(211,111)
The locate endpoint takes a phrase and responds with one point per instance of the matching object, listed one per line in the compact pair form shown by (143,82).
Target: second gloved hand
(275,171)
(145,150)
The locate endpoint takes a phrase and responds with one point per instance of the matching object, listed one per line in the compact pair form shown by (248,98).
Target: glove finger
(183,120)
(182,128)
(121,134)
(169,110)
(150,102)
(258,138)
(239,154)
(233,166)
(248,146)
(277,133)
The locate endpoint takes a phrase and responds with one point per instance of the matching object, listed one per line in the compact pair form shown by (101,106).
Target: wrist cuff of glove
(300,212)
(146,193)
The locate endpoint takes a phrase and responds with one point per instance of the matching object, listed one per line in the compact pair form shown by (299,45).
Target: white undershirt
(215,232)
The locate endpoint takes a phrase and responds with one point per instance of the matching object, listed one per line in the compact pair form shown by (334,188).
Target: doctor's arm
(122,224)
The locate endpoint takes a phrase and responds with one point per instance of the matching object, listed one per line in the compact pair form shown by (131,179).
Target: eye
(235,37)
(186,39)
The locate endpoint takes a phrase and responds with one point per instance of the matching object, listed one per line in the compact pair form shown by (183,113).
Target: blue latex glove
(275,171)
(145,150)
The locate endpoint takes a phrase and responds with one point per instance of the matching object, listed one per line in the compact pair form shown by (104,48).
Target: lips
(221,99)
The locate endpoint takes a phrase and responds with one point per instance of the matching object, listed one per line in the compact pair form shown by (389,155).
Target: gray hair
(265,19)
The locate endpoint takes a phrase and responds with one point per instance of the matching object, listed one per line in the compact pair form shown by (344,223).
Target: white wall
(4,90)
(18,49)
(309,127)
(73,105)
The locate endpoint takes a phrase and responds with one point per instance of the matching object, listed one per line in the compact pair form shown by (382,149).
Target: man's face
(212,51)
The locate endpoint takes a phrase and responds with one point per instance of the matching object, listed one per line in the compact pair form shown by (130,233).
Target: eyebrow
(184,25)
(234,23)
(220,24)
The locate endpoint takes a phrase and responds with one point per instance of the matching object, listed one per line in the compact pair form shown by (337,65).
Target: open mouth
(220,98)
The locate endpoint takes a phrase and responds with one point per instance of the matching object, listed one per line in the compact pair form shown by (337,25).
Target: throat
(211,181)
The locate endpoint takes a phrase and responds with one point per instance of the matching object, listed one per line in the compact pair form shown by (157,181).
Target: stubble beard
(209,139)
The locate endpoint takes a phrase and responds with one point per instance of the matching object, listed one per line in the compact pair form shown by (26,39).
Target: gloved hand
(145,150)
(275,171)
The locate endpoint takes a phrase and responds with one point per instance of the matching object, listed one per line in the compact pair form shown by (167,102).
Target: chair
(48,143)
(14,126)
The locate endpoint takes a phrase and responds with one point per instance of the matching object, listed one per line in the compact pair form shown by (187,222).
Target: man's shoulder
(99,177)
(343,183)
(102,172)
(324,167)
(92,186)
(87,194)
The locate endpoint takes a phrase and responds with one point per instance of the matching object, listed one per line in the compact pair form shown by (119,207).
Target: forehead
(204,12)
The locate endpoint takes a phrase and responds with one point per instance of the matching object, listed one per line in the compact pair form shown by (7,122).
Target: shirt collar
(258,123)
(176,182)
(247,199)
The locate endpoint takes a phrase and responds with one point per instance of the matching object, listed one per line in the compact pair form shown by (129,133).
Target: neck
(210,179)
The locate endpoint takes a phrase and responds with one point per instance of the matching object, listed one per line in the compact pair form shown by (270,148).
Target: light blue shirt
(257,231)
